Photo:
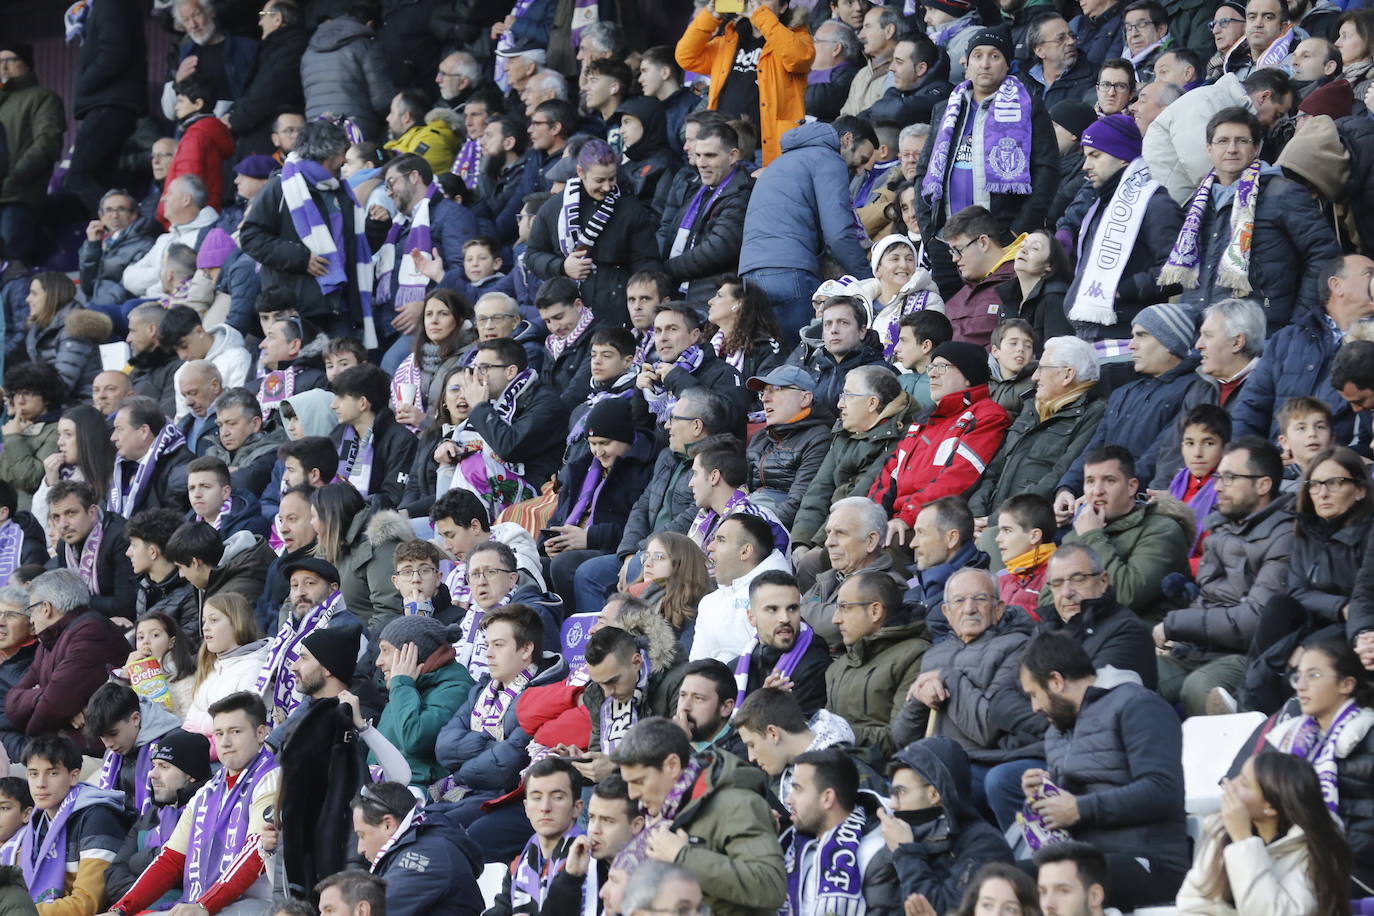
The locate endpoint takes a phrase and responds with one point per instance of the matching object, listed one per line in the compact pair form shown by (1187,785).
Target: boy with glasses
(495,581)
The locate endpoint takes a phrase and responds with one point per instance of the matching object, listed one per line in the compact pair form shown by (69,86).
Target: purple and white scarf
(355,463)
(86,566)
(889,320)
(507,40)
(410,283)
(414,817)
(1001,148)
(695,210)
(298,176)
(575,232)
(1308,742)
(108,777)
(533,873)
(622,387)
(489,710)
(785,666)
(585,13)
(220,827)
(735,358)
(471,650)
(125,502)
(1102,264)
(637,850)
(1184,264)
(277,386)
(707,521)
(223,515)
(1274,55)
(644,342)
(465,164)
(408,373)
(659,398)
(505,405)
(557,345)
(459,589)
(45,868)
(836,880)
(11,549)
(617,716)
(277,682)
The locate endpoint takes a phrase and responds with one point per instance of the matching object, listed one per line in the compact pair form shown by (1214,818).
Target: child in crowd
(16,805)
(918,334)
(612,375)
(1304,430)
(1013,364)
(1025,538)
(1206,430)
(342,353)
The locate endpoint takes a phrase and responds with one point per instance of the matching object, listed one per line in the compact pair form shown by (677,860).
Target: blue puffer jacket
(801,206)
(476,759)
(1296,363)
(432,869)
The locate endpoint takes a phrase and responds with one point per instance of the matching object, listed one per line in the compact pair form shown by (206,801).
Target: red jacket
(942,456)
(553,714)
(75,656)
(201,152)
(1023,590)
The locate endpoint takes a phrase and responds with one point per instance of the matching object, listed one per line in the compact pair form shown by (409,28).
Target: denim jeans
(997,789)
(596,578)
(789,291)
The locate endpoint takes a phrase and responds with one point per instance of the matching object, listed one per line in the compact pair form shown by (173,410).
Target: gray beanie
(427,633)
(1172,325)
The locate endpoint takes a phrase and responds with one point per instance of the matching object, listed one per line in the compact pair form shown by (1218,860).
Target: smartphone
(547,533)
(581,759)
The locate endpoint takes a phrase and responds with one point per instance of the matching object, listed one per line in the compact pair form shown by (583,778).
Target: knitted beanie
(427,633)
(1172,325)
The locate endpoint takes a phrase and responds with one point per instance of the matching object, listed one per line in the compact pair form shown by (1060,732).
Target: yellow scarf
(1047,409)
(1031,559)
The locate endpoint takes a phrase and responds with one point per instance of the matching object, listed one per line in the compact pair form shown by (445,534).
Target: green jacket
(1036,453)
(734,850)
(417,709)
(21,462)
(1139,549)
(867,685)
(34,122)
(851,464)
(367,561)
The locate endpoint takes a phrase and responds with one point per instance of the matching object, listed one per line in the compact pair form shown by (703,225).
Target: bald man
(198,384)
(108,389)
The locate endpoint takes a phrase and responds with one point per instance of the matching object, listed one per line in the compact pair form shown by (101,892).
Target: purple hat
(215,249)
(1116,135)
(256,166)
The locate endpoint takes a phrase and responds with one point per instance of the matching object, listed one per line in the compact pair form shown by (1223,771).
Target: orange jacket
(706,47)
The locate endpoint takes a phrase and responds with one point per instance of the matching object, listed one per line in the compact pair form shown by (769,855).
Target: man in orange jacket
(758,66)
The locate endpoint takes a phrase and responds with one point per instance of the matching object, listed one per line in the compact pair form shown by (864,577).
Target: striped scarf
(410,283)
(489,710)
(1185,260)
(125,501)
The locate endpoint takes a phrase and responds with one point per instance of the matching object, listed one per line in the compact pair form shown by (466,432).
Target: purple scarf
(489,710)
(11,549)
(277,682)
(637,850)
(466,162)
(785,666)
(585,505)
(220,827)
(558,345)
(167,817)
(86,566)
(836,876)
(408,373)
(277,386)
(579,424)
(1001,149)
(355,465)
(660,399)
(410,283)
(534,873)
(1307,742)
(585,13)
(45,868)
(617,716)
(505,405)
(707,521)
(108,778)
(1185,260)
(126,502)
(695,209)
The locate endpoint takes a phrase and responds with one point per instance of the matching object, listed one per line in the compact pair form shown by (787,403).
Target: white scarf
(1102,264)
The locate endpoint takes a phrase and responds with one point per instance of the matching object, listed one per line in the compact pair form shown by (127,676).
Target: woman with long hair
(84,452)
(1273,850)
(741,328)
(448,414)
(232,652)
(63,334)
(1036,293)
(359,537)
(674,582)
(900,286)
(447,327)
(1355,40)
(1000,889)
(1335,514)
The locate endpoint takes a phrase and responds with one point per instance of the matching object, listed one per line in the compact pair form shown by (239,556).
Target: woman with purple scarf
(595,493)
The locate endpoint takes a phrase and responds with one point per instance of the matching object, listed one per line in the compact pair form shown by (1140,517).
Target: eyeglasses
(484,368)
(1228,142)
(540,123)
(1229,479)
(958,250)
(262,13)
(1312,677)
(1066,38)
(1077,579)
(418,572)
(1113,87)
(680,418)
(845,604)
(1330,484)
(485,575)
(399,177)
(368,794)
(938,369)
(1223,23)
(856,394)
(983,601)
(28,611)
(1132,28)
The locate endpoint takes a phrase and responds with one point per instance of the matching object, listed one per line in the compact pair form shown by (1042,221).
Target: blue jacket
(801,206)
(476,759)
(451,225)
(432,869)
(239,55)
(240,279)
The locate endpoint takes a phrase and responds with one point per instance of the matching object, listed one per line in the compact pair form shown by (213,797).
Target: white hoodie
(143,277)
(723,631)
(230,356)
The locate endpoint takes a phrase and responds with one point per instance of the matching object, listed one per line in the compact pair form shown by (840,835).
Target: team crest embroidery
(1007,159)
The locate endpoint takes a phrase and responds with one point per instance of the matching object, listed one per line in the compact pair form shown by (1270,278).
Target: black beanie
(336,649)
(970,359)
(610,418)
(186,751)
(22,50)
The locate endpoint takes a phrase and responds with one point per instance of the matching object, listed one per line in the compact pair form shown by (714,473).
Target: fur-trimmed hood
(1177,510)
(653,633)
(450,118)
(388,525)
(88,324)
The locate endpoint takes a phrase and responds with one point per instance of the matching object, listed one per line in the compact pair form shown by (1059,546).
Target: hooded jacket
(113,569)
(229,353)
(734,849)
(21,460)
(1325,560)
(973,310)
(366,563)
(943,454)
(651,159)
(344,72)
(436,140)
(851,463)
(143,278)
(75,656)
(868,684)
(102,263)
(95,830)
(155,721)
(70,343)
(1111,634)
(432,868)
(783,460)
(250,465)
(418,708)
(828,371)
(242,570)
(666,504)
(801,206)
(1138,550)
(947,850)
(1175,145)
(708,46)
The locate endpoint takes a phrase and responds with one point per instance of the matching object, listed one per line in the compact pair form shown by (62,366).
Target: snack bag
(1033,826)
(147,679)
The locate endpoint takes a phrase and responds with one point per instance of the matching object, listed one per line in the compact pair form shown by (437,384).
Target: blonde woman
(232,652)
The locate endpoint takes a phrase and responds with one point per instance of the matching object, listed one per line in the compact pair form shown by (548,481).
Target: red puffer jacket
(942,455)
(553,714)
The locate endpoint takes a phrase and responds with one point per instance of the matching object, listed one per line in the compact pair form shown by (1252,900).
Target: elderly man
(1051,430)
(1229,342)
(150,460)
(498,315)
(878,34)
(77,648)
(249,453)
(19,645)
(972,680)
(1061,74)
(458,78)
(854,534)
(868,684)
(839,55)
(740,548)
(1085,607)
(1152,99)
(114,241)
(941,543)
(186,207)
(160,156)
(785,649)
(321,271)
(224,61)
(199,384)
(785,455)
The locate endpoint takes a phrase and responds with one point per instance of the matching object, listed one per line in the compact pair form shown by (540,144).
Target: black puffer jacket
(665,505)
(1325,561)
(274,85)
(1043,308)
(830,373)
(114,59)
(913,106)
(533,437)
(1110,633)
(714,243)
(784,459)
(625,481)
(566,372)
(1292,241)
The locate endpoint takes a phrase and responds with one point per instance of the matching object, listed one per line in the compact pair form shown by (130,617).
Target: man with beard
(1114,776)
(1204,647)
(612,818)
(705,703)
(298,542)
(833,847)
(508,174)
(316,604)
(934,835)
(785,652)
(180,766)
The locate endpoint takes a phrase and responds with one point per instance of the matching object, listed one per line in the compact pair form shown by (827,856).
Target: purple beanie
(215,249)
(1116,135)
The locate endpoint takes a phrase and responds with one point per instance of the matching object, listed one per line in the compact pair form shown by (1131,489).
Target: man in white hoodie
(190,219)
(183,332)
(741,548)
